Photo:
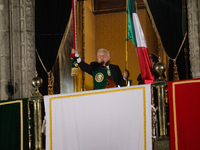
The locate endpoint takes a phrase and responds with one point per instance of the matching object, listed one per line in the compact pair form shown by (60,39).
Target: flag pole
(126,62)
(74,40)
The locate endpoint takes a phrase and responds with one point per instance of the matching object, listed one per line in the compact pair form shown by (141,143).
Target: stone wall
(4,50)
(17,48)
(193,7)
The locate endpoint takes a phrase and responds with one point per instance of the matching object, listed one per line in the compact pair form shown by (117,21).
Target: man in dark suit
(103,61)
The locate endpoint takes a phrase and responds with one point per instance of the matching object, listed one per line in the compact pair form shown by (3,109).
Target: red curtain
(184,113)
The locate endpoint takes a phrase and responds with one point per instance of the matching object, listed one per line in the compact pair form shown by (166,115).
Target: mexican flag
(136,34)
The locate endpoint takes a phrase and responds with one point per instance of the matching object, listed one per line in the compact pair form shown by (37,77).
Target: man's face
(103,56)
(152,62)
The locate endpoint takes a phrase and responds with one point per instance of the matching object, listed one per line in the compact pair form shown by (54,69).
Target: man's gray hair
(105,50)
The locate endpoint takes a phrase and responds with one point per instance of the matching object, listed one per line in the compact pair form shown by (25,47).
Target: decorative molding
(140,4)
(28,18)
(111,6)
(108,6)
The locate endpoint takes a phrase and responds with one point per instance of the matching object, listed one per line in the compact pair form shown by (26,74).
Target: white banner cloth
(110,119)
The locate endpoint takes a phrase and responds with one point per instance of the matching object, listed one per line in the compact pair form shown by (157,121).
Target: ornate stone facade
(193,8)
(17,48)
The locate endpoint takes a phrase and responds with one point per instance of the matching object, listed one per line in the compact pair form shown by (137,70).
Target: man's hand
(74,53)
(126,74)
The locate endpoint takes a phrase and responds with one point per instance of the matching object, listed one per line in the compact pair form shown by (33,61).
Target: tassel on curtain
(175,69)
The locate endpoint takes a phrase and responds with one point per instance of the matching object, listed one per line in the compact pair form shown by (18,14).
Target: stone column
(4,50)
(25,69)
(18,63)
(193,7)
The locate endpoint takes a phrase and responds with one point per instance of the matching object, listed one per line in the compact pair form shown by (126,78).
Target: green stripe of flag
(131,32)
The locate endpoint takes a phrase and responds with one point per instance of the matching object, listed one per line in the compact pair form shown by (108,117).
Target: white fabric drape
(110,119)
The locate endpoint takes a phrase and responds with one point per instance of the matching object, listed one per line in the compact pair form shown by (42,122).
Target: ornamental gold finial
(160,69)
(37,83)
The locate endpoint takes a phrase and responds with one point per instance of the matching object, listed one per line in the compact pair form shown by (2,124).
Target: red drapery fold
(184,102)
